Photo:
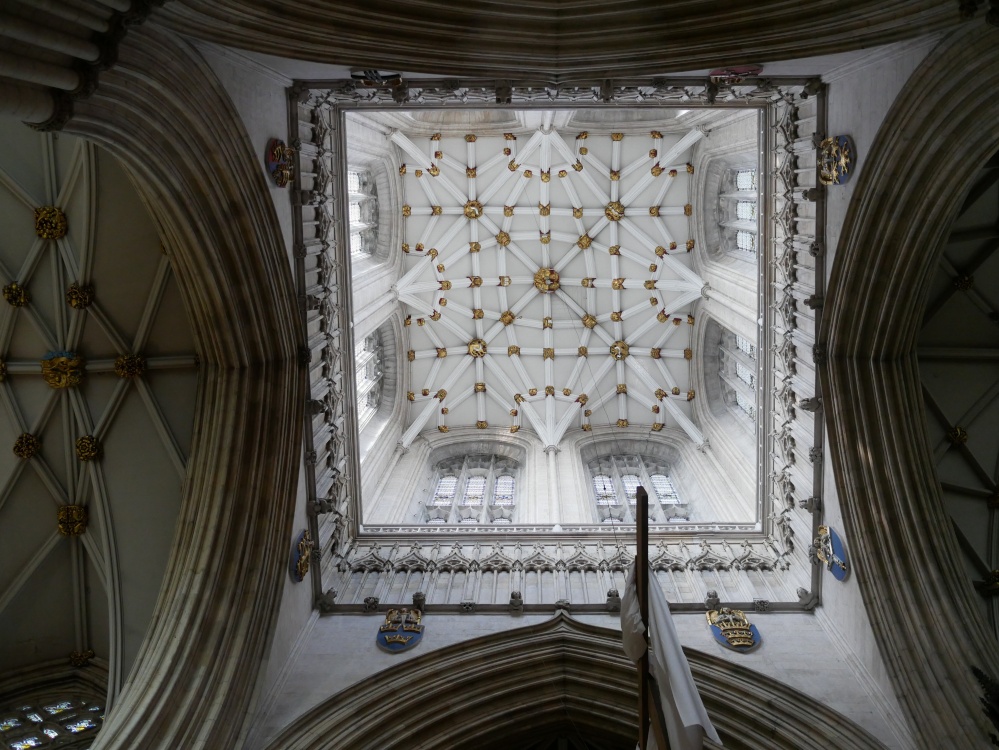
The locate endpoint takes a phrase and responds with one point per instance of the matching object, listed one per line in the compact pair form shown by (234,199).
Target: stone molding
(163,113)
(510,38)
(494,691)
(942,126)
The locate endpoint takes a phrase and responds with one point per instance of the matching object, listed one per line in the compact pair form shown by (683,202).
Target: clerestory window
(737,371)
(739,213)
(362,213)
(473,490)
(616,480)
(368,360)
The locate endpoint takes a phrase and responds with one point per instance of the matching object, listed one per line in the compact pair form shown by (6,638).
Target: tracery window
(739,208)
(472,490)
(59,723)
(362,213)
(368,360)
(615,483)
(737,371)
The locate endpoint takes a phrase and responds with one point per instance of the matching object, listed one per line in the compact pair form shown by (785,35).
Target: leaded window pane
(746,346)
(503,492)
(745,241)
(355,213)
(746,405)
(630,482)
(353,182)
(745,179)
(446,488)
(745,374)
(603,486)
(356,243)
(475,490)
(664,488)
(745,210)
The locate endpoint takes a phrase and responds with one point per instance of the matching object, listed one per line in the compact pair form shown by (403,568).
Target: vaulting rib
(424,416)
(425,163)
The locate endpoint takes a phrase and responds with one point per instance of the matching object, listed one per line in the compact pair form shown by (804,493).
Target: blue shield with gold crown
(401,630)
(836,155)
(828,550)
(732,629)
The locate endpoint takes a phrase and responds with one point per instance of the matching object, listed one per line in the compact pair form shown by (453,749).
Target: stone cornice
(943,125)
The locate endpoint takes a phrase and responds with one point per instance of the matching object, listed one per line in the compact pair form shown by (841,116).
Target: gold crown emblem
(734,626)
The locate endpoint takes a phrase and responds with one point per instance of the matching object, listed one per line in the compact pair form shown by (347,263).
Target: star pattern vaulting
(547,280)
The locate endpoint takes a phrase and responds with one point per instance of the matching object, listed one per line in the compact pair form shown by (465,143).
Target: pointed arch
(523,684)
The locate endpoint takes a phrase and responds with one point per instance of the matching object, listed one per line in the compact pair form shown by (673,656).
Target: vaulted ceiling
(547,280)
(959,367)
(98,386)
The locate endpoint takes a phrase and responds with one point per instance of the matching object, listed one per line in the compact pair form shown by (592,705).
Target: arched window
(615,483)
(362,213)
(58,722)
(738,212)
(472,490)
(368,359)
(737,371)
(603,486)
(439,506)
(503,491)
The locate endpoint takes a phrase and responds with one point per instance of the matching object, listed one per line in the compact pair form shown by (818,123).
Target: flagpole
(650,709)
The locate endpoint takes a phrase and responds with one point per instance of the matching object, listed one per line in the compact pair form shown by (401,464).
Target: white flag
(687,723)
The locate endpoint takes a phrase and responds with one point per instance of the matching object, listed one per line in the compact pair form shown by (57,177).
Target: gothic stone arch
(526,683)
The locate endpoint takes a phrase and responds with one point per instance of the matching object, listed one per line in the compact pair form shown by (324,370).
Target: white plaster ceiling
(959,368)
(469,276)
(96,591)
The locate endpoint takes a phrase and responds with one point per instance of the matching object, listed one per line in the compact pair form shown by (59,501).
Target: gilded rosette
(63,370)
(50,223)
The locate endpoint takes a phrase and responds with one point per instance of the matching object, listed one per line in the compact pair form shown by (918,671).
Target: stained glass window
(81,726)
(745,179)
(360,216)
(746,241)
(629,473)
(745,345)
(746,405)
(630,482)
(481,487)
(664,488)
(603,486)
(504,490)
(368,356)
(475,491)
(446,488)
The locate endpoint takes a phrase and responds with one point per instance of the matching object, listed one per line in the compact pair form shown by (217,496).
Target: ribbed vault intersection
(547,279)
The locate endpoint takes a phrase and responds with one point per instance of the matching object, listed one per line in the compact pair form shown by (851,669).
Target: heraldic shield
(731,628)
(828,549)
(401,630)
